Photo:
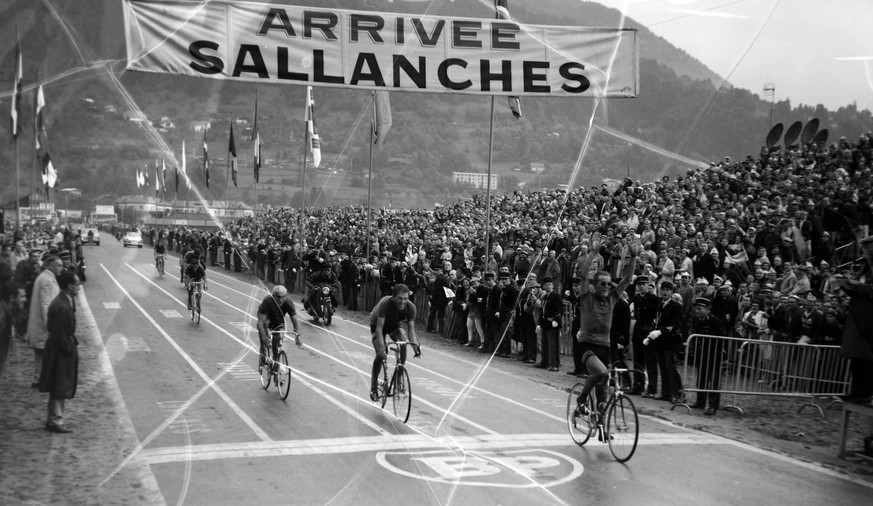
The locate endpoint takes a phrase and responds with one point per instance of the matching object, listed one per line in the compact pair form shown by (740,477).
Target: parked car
(91,234)
(132,239)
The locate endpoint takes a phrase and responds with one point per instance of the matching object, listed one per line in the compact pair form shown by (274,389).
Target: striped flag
(313,141)
(382,116)
(138,181)
(15,112)
(231,155)
(502,8)
(38,122)
(256,143)
(206,161)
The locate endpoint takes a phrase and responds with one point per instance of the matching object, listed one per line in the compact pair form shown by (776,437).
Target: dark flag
(256,143)
(38,124)
(231,156)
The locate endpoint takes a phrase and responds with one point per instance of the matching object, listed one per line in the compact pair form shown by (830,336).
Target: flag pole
(227,178)
(488,190)
(17,195)
(370,179)
(303,179)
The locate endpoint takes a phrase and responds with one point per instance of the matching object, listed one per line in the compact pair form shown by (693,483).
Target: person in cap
(508,296)
(195,271)
(666,340)
(271,319)
(857,343)
(573,297)
(491,317)
(549,325)
(596,307)
(645,304)
(710,355)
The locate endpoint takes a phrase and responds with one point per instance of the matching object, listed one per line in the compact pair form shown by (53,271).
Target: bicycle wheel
(328,316)
(284,376)
(581,424)
(622,428)
(383,387)
(196,311)
(402,394)
(264,367)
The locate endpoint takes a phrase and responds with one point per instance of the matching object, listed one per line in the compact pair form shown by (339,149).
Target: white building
(477,179)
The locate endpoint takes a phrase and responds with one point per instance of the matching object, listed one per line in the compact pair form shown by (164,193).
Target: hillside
(97,148)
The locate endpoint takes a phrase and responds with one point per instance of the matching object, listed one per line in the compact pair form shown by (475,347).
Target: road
(481,431)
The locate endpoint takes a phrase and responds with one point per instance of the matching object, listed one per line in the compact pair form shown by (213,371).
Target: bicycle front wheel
(264,367)
(622,428)
(402,394)
(581,422)
(284,376)
(196,312)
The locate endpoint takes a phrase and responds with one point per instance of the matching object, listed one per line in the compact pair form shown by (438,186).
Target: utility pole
(771,89)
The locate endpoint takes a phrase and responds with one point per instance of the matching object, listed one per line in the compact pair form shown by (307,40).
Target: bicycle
(621,430)
(159,264)
(277,372)
(195,300)
(399,388)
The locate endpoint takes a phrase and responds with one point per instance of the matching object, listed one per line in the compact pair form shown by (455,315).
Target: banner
(274,43)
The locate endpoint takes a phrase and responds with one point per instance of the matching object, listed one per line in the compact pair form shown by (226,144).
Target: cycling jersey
(276,312)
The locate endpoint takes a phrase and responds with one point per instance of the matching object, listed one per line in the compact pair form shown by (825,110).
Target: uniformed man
(645,312)
(710,355)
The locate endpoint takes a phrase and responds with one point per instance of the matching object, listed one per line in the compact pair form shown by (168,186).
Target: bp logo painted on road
(511,469)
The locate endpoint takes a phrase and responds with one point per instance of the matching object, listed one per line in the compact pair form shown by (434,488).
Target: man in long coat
(45,289)
(60,367)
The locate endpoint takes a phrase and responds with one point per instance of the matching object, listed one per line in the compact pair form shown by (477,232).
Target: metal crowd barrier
(761,367)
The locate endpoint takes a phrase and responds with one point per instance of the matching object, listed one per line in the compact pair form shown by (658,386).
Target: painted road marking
(188,423)
(395,442)
(551,401)
(240,371)
(243,326)
(111,305)
(134,343)
(170,313)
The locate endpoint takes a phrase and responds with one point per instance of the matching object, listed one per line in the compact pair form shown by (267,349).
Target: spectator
(60,368)
(45,289)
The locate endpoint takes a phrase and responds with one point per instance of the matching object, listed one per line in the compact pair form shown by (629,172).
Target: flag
(313,141)
(177,179)
(185,167)
(38,125)
(256,140)
(15,112)
(164,176)
(145,181)
(137,179)
(231,155)
(157,180)
(50,177)
(205,161)
(502,8)
(382,121)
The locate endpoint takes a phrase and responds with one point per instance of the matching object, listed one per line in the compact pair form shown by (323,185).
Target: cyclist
(388,318)
(314,280)
(194,271)
(160,250)
(271,318)
(595,311)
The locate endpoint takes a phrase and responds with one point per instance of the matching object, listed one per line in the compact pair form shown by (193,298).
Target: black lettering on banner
(503,35)
(465,33)
(366,23)
(211,64)
(425,39)
(374,75)
(258,66)
(443,74)
(283,73)
(566,72)
(398,31)
(322,21)
(417,75)
(284,23)
(505,75)
(318,74)
(531,78)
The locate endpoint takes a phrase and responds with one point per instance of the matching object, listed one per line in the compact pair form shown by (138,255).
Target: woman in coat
(60,366)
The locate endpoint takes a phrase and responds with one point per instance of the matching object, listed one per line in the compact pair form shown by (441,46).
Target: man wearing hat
(665,340)
(508,297)
(710,356)
(525,324)
(549,326)
(491,318)
(645,312)
(438,301)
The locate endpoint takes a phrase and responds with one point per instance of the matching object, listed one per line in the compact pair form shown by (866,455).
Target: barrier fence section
(737,366)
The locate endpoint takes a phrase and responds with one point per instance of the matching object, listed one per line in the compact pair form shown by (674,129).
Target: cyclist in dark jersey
(194,271)
(160,249)
(271,318)
(388,318)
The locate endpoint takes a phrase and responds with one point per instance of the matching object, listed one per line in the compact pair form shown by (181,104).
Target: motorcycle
(321,303)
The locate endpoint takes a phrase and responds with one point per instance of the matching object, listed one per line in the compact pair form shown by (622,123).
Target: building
(477,179)
(537,167)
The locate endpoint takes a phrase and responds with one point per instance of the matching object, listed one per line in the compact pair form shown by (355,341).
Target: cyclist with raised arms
(388,319)
(271,319)
(194,271)
(595,311)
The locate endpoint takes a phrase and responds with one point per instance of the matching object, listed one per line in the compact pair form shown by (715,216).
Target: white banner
(274,43)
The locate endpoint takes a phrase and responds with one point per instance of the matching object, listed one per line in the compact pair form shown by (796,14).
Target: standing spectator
(665,340)
(857,343)
(644,358)
(666,268)
(11,301)
(508,296)
(60,369)
(711,354)
(550,325)
(438,301)
(492,314)
(475,307)
(25,275)
(45,289)
(573,297)
(525,324)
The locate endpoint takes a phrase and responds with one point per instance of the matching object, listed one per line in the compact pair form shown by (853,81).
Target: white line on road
(394,442)
(209,381)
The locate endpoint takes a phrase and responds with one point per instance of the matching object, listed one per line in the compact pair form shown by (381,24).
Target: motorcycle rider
(314,281)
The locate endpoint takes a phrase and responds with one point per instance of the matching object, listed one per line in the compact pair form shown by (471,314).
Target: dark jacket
(858,333)
(60,366)
(670,324)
